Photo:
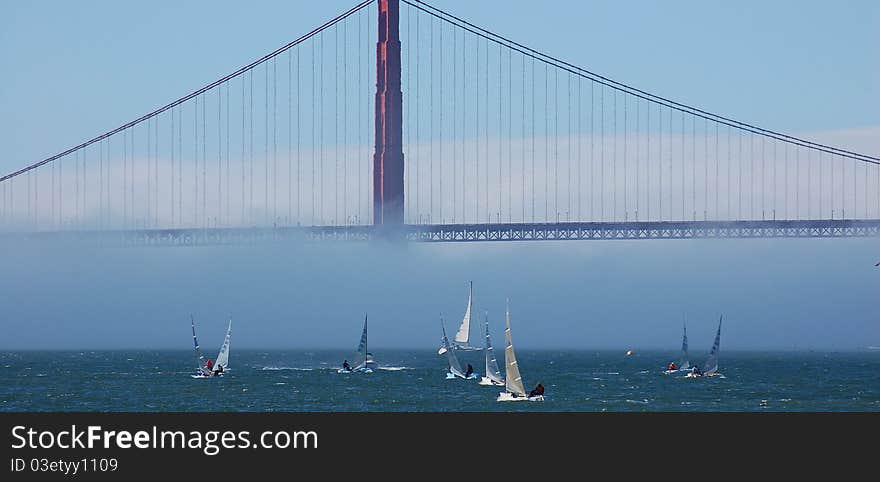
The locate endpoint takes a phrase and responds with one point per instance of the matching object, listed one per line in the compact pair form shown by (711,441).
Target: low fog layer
(781,294)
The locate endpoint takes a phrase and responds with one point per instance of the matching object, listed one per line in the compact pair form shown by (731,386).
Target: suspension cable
(199,91)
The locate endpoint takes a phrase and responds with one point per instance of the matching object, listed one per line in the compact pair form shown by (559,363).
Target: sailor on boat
(539,390)
(672,366)
(218,370)
(346,366)
(696,371)
(469,371)
(209,364)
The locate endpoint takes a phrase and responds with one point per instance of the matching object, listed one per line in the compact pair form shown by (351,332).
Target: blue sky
(74,70)
(82,68)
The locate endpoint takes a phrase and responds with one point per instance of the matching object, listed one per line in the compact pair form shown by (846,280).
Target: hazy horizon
(773,293)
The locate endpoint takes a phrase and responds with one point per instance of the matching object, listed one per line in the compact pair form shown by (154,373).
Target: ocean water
(415,381)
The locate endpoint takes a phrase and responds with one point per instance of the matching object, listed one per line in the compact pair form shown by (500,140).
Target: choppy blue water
(415,381)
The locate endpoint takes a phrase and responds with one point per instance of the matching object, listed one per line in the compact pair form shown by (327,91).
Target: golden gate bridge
(402,120)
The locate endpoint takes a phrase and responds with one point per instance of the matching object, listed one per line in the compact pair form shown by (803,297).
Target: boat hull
(356,370)
(693,375)
(452,376)
(442,350)
(489,382)
(508,397)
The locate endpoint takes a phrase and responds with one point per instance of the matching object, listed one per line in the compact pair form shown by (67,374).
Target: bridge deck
(837,228)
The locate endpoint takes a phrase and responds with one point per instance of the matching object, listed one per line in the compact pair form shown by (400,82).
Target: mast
(492,371)
(362,348)
(685,357)
(451,360)
(712,363)
(366,348)
(486,343)
(196,344)
(512,378)
(223,356)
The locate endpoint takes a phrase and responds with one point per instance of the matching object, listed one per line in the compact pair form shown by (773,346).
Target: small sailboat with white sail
(493,375)
(221,363)
(453,367)
(710,368)
(684,363)
(514,390)
(460,341)
(364,361)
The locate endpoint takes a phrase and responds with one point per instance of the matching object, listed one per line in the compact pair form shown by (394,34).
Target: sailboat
(222,361)
(684,363)
(514,391)
(710,368)
(493,375)
(365,358)
(460,342)
(221,364)
(452,365)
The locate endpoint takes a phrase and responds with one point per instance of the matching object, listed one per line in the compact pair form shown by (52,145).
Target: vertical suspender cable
(345,122)
(204,161)
(440,123)
(250,211)
(274,142)
(660,163)
(289,138)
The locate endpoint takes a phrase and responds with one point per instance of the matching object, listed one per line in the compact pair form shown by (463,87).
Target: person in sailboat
(469,371)
(539,390)
(345,365)
(218,370)
(209,364)
(672,366)
(696,371)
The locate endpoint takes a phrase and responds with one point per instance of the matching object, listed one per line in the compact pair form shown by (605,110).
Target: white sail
(711,365)
(223,356)
(363,354)
(513,380)
(684,361)
(492,371)
(200,360)
(451,360)
(464,330)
